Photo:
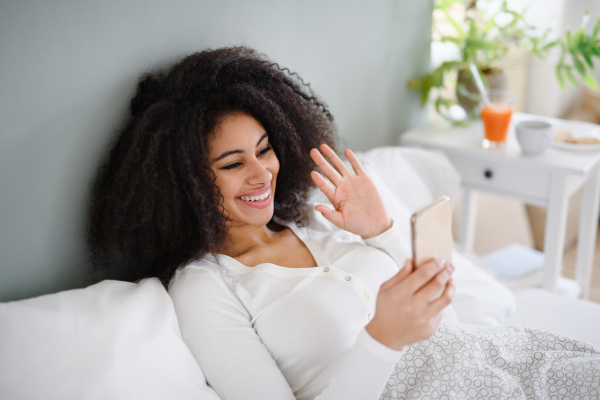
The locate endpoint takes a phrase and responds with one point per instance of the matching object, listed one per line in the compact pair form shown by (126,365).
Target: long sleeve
(366,371)
(393,244)
(219,331)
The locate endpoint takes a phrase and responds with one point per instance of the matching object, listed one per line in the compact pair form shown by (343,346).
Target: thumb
(406,270)
(333,216)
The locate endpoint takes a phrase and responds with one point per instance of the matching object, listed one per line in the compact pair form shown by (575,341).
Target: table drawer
(509,179)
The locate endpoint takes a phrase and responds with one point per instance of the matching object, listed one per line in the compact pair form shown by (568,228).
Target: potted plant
(484,37)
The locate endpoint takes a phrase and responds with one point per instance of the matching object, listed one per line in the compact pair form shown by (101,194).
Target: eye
(231,166)
(265,150)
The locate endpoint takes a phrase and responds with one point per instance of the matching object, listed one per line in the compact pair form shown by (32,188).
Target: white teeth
(257,198)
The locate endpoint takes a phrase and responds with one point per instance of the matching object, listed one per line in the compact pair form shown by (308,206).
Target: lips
(257,192)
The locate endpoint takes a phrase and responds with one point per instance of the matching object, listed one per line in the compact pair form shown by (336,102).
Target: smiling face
(246,169)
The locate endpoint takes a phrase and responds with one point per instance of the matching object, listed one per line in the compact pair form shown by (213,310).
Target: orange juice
(496,118)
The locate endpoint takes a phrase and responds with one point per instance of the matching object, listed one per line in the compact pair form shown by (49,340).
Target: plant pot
(496,79)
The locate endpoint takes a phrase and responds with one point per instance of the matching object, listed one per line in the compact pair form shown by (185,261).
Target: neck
(245,238)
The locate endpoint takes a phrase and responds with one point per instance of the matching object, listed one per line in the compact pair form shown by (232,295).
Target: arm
(218,330)
(358,206)
(393,244)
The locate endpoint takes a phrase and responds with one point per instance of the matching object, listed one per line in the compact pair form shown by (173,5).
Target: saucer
(577,130)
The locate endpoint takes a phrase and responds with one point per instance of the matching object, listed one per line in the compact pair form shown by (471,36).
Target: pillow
(112,340)
(408,179)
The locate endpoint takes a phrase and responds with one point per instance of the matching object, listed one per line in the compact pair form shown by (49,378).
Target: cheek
(274,166)
(226,187)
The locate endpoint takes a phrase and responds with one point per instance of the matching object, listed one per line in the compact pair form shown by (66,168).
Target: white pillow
(112,340)
(479,298)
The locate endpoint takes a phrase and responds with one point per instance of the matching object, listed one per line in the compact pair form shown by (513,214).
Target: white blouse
(270,332)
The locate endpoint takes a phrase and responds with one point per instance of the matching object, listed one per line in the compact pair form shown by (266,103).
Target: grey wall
(68,70)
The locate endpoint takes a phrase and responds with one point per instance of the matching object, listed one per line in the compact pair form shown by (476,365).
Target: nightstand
(546,180)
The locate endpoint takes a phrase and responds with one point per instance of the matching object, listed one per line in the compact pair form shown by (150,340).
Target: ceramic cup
(534,136)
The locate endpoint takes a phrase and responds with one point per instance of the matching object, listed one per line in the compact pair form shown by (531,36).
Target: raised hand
(358,207)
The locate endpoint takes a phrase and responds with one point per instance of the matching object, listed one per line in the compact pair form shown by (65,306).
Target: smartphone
(431,229)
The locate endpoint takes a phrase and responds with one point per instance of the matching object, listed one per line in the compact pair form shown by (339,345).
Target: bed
(119,339)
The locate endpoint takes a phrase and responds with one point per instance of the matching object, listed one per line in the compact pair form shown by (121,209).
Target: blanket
(461,361)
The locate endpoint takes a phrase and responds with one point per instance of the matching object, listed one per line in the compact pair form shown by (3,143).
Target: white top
(270,332)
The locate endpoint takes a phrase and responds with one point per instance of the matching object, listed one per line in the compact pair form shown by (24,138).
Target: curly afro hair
(155,206)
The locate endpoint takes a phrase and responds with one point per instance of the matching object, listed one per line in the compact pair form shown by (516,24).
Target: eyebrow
(228,153)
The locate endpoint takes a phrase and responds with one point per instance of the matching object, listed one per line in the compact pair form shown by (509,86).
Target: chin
(264,220)
(254,217)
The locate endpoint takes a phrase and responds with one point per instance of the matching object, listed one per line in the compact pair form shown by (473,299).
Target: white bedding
(565,315)
(112,340)
(122,340)
(461,361)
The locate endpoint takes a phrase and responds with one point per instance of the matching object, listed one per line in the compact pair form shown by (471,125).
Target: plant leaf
(596,27)
(587,59)
(569,39)
(578,64)
(560,79)
(570,76)
(550,45)
(590,81)
(451,39)
(578,38)
(459,30)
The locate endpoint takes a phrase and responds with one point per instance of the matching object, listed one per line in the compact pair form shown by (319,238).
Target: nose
(260,174)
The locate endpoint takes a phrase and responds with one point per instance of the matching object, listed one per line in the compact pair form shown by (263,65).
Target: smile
(261,201)
(261,197)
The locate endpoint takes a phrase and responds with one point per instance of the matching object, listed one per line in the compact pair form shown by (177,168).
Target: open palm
(358,207)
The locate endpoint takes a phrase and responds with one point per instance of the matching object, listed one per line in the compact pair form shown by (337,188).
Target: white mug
(534,136)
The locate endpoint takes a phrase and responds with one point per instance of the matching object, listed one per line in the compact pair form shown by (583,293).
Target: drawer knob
(488,173)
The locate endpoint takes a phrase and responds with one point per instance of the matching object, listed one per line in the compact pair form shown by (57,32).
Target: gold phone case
(432,232)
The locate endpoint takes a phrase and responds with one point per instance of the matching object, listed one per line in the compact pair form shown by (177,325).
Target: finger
(434,287)
(331,215)
(408,266)
(327,169)
(438,305)
(424,274)
(358,169)
(323,185)
(335,160)
(400,276)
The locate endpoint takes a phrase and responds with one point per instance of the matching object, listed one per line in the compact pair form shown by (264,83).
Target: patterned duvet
(467,362)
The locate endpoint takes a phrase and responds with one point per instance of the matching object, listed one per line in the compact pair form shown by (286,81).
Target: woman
(206,188)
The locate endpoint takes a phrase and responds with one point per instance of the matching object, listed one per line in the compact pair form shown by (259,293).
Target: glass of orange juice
(496,117)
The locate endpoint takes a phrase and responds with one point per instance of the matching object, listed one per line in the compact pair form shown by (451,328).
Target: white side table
(546,180)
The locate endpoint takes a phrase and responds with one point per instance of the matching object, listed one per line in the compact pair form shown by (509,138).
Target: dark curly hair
(154,205)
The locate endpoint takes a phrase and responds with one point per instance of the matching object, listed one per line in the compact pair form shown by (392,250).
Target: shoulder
(205,289)
(207,275)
